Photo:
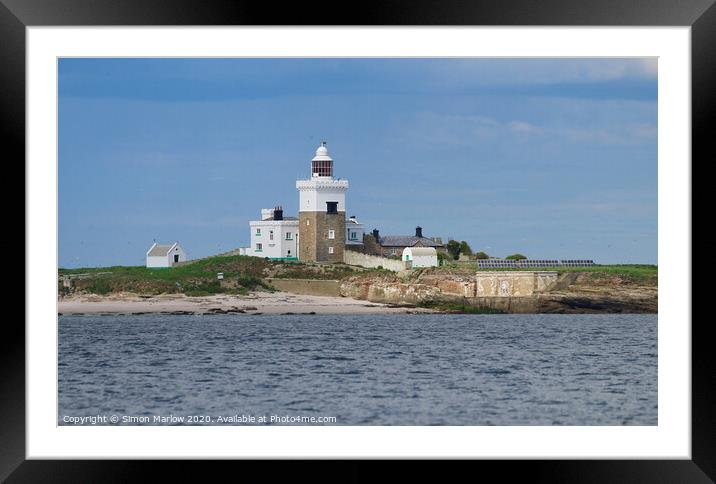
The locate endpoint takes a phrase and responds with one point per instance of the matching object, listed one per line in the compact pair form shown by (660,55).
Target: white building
(160,255)
(354,231)
(421,256)
(274,236)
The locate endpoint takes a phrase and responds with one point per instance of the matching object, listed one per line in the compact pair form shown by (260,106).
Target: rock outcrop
(571,292)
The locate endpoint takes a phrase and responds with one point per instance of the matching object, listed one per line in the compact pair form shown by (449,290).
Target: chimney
(419,231)
(376,235)
(278,213)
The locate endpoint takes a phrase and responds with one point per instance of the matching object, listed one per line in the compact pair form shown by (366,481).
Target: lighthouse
(322,211)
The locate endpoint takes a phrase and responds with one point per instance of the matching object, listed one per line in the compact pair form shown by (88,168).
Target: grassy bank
(199,278)
(642,273)
(241,274)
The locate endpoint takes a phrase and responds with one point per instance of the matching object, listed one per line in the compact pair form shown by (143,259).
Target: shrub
(453,248)
(250,282)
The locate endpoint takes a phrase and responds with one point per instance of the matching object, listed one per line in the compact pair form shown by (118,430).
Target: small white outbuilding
(160,255)
(421,256)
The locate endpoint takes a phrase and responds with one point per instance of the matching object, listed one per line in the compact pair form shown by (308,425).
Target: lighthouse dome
(322,153)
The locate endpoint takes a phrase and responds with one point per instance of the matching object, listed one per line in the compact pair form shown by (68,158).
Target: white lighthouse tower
(322,211)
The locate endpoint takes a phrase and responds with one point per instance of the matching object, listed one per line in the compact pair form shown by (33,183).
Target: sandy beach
(255,303)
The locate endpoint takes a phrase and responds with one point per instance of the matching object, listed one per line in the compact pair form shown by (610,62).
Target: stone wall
(309,287)
(512,283)
(353,258)
(389,292)
(313,236)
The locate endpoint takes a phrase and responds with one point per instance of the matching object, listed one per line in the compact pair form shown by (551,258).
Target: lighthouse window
(330,250)
(331,234)
(331,207)
(322,168)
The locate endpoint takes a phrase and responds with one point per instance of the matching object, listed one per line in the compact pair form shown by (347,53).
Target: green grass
(199,277)
(196,278)
(634,272)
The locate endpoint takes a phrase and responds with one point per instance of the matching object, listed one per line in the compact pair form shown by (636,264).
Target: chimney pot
(278,213)
(418,231)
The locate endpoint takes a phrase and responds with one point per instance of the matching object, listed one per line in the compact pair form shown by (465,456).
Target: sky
(551,158)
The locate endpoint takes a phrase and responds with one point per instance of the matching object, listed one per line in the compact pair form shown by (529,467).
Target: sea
(396,369)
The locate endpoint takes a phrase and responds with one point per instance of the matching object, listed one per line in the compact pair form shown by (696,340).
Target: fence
(531,263)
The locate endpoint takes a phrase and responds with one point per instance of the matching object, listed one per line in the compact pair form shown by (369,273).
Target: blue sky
(552,158)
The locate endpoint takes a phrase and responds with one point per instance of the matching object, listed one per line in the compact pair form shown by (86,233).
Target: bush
(481,255)
(453,248)
(98,286)
(251,282)
(516,257)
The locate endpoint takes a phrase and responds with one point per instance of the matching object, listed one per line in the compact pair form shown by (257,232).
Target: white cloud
(522,127)
(541,71)
(464,130)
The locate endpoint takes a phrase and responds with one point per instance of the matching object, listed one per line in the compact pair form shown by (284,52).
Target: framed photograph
(454,232)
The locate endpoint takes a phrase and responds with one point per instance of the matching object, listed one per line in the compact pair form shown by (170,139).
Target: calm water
(363,370)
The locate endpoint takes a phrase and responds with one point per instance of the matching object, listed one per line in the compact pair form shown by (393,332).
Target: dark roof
(407,241)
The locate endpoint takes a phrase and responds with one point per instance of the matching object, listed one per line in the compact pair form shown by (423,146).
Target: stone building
(393,245)
(322,211)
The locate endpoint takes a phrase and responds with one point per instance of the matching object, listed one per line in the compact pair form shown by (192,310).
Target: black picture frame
(700,15)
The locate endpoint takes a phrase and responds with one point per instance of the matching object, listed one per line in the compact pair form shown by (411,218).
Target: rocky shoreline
(572,293)
(256,303)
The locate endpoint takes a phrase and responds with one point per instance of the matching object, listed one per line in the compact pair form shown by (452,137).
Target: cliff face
(590,292)
(571,292)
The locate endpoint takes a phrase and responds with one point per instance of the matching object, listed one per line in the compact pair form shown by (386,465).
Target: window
(270,234)
(259,247)
(330,250)
(322,168)
(258,232)
(308,221)
(289,236)
(354,236)
(331,234)
(331,207)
